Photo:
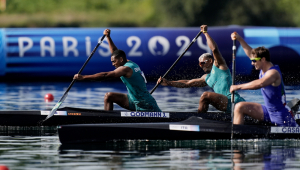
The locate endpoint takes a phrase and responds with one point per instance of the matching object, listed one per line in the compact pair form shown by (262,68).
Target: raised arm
(112,46)
(245,46)
(219,60)
(200,82)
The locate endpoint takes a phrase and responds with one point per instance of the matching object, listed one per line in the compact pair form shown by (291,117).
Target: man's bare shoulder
(201,79)
(222,66)
(272,72)
(123,71)
(123,68)
(203,76)
(273,77)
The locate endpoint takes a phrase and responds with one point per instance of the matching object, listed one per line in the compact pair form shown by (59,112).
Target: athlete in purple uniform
(271,84)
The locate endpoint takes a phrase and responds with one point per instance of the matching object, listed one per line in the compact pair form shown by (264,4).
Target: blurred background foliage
(149,13)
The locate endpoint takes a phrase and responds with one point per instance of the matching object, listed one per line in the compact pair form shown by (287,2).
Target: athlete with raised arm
(271,84)
(217,77)
(138,97)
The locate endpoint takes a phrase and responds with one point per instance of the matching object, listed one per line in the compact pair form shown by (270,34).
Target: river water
(46,152)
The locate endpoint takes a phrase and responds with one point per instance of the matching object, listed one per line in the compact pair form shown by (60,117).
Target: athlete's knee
(204,102)
(108,96)
(205,96)
(238,108)
(202,108)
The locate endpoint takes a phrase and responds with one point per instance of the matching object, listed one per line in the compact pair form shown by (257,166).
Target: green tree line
(149,13)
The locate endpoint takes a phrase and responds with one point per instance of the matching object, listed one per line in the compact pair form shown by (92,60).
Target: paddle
(233,82)
(177,60)
(74,80)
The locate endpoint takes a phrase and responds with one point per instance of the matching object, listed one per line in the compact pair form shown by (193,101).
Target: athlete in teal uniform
(218,77)
(220,81)
(138,97)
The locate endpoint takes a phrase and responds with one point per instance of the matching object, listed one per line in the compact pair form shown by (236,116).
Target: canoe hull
(191,129)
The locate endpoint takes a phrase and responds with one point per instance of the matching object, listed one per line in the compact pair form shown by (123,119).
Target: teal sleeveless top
(220,81)
(137,90)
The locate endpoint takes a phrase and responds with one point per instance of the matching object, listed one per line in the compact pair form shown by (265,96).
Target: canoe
(193,128)
(69,115)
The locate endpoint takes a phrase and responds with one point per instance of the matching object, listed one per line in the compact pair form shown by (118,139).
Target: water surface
(46,152)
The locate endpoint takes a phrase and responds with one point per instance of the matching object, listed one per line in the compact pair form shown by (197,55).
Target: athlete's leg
(253,110)
(219,101)
(119,98)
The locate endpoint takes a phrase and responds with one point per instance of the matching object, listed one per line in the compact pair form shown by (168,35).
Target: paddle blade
(53,111)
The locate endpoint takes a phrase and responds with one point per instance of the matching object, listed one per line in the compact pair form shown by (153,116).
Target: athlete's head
(259,55)
(261,52)
(206,61)
(118,58)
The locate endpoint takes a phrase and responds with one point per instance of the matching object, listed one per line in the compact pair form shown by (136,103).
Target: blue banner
(62,51)
(2,53)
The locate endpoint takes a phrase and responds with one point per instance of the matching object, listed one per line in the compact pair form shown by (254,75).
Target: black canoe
(69,115)
(193,128)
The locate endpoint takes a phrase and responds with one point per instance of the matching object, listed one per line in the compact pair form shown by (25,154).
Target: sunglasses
(255,59)
(203,62)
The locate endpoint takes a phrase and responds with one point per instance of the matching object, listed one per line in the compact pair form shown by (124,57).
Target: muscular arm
(186,83)
(112,46)
(245,46)
(219,60)
(272,77)
(120,71)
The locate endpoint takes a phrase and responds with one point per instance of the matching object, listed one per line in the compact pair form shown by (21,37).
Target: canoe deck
(69,115)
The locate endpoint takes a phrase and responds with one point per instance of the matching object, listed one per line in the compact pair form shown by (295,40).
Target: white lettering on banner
(87,46)
(203,46)
(157,45)
(184,45)
(106,46)
(71,48)
(57,113)
(145,114)
(195,128)
(133,52)
(22,48)
(44,47)
(285,129)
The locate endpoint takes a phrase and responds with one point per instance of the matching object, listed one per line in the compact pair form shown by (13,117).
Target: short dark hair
(119,54)
(261,52)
